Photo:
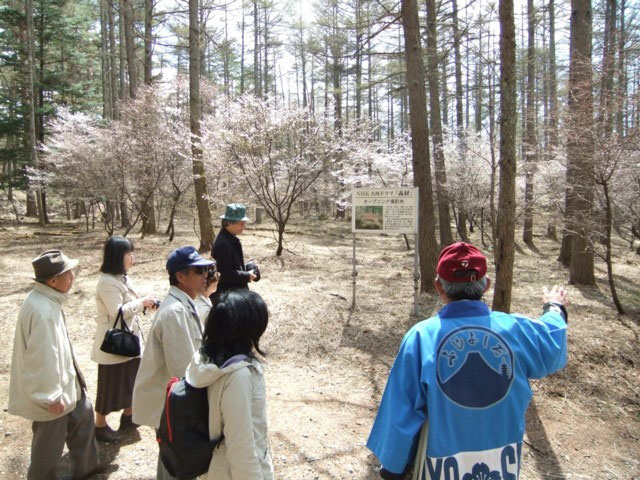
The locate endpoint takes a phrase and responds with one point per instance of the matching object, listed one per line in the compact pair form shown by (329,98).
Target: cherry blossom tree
(279,152)
(119,162)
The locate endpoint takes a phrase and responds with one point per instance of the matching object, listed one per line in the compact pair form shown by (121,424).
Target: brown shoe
(126,423)
(107,434)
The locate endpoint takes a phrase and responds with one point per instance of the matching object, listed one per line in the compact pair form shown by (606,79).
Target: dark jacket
(227,252)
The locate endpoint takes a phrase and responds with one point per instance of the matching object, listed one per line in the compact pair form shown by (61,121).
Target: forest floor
(327,364)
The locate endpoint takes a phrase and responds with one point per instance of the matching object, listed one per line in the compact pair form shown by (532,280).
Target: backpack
(183,436)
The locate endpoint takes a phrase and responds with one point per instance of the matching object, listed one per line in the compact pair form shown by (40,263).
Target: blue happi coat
(466,370)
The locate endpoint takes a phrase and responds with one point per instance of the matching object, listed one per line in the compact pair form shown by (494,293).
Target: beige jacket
(237,408)
(113,292)
(175,335)
(42,371)
(203,306)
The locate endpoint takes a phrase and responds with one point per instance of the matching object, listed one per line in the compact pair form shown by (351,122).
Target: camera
(211,271)
(157,303)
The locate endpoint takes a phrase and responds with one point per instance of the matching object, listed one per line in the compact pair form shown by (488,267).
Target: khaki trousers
(76,429)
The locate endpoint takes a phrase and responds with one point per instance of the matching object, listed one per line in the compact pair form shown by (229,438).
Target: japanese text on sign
(384,210)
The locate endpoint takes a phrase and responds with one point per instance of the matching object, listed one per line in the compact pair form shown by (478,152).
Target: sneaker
(126,423)
(107,434)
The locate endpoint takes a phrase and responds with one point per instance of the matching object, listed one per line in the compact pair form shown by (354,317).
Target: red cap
(461,256)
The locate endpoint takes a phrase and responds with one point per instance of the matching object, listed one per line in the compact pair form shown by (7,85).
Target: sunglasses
(200,270)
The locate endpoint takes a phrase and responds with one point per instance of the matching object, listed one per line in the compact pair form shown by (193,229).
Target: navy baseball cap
(185,257)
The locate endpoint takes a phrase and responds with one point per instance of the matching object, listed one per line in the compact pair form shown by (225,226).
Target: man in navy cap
(466,370)
(227,251)
(175,335)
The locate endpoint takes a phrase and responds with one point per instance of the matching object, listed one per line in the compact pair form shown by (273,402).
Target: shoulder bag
(121,341)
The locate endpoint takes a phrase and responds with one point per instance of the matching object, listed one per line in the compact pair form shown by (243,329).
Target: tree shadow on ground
(313,461)
(531,246)
(545,457)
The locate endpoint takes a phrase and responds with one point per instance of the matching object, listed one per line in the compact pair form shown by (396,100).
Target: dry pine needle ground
(327,365)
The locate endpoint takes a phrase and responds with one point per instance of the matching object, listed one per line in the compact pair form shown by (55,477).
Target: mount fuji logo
(475,367)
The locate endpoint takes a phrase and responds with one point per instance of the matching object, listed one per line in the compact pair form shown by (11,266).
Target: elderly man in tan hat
(46,384)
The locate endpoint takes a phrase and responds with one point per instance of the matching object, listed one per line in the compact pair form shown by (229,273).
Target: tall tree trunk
(607,102)
(39,86)
(107,111)
(436,126)
(127,14)
(479,76)
(200,182)
(358,59)
(242,48)
(336,71)
(553,81)
(420,143)
(531,143)
(148,42)
(445,91)
(149,224)
(32,139)
(122,56)
(112,61)
(580,148)
(257,78)
(225,55)
(303,64)
(492,142)
(505,237)
(622,76)
(265,52)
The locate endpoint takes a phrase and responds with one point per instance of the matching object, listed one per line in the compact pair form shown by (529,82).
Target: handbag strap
(123,325)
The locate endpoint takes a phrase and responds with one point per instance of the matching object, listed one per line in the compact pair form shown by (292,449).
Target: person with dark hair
(46,384)
(229,367)
(175,335)
(227,252)
(116,374)
(466,371)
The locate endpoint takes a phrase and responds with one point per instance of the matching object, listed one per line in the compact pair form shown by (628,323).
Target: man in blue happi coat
(466,371)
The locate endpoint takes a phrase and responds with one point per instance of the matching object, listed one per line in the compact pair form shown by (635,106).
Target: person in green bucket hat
(227,252)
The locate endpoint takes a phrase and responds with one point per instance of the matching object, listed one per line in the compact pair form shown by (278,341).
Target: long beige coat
(113,292)
(42,370)
(237,408)
(175,335)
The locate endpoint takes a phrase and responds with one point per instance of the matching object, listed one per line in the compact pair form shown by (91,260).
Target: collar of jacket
(464,308)
(51,293)
(185,299)
(230,236)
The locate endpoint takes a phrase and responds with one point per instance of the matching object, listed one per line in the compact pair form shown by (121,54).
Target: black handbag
(121,341)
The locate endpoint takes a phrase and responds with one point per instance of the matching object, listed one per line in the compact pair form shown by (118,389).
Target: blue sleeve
(402,411)
(545,341)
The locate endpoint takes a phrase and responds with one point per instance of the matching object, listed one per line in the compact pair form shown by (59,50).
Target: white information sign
(384,210)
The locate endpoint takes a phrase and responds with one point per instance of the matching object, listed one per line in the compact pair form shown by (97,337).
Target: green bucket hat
(235,212)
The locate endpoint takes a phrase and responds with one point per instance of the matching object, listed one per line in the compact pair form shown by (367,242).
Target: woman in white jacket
(228,366)
(116,374)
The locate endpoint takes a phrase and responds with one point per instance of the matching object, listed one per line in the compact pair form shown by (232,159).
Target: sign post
(385,210)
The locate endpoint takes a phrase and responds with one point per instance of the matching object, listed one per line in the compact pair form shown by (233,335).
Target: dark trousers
(76,428)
